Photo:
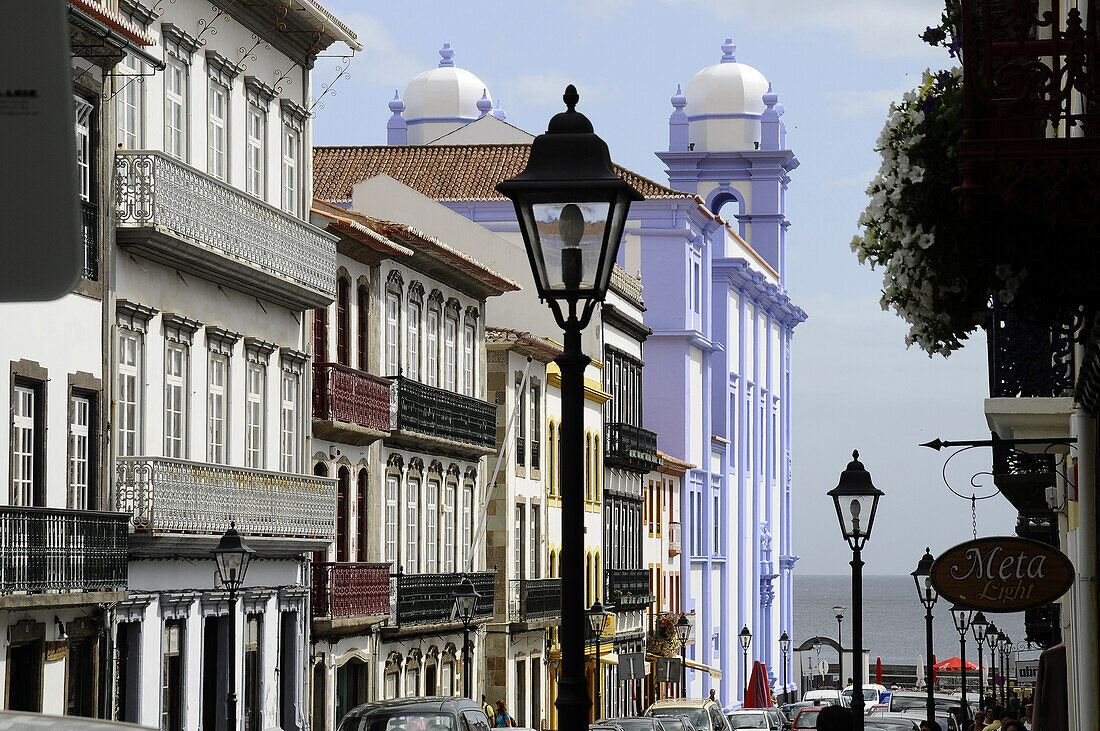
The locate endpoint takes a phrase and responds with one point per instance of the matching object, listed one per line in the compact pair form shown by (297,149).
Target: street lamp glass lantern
(746,637)
(856,501)
(992,634)
(232,556)
(572,207)
(962,617)
(597,616)
(683,629)
(466,597)
(784,643)
(922,577)
(978,626)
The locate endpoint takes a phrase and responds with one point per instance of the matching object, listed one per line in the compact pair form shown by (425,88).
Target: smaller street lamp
(466,597)
(683,631)
(1006,645)
(745,636)
(784,646)
(597,617)
(838,612)
(993,636)
(231,558)
(978,626)
(922,577)
(962,617)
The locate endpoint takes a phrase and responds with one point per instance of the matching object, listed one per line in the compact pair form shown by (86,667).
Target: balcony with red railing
(349,596)
(349,405)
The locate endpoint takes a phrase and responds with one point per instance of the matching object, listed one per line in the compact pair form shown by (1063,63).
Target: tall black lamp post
(1006,645)
(571,207)
(597,618)
(838,612)
(466,597)
(784,646)
(856,501)
(231,558)
(922,577)
(745,636)
(962,617)
(992,636)
(683,631)
(978,626)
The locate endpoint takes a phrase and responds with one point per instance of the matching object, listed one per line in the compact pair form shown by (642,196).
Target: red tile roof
(113,20)
(441,172)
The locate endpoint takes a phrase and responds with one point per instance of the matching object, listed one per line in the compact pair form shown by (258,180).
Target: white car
(826,697)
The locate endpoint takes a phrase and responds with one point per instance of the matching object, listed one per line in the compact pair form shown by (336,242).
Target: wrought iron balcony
(430,598)
(1028,358)
(173,499)
(628,587)
(89,234)
(57,550)
(170,212)
(349,405)
(631,447)
(673,538)
(534,599)
(351,589)
(421,413)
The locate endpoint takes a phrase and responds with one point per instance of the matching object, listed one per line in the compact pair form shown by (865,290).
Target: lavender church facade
(711,253)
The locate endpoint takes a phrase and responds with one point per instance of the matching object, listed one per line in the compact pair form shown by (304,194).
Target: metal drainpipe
(1083,426)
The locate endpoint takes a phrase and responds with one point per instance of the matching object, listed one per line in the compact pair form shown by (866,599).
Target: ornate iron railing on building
(418,407)
(430,598)
(631,447)
(628,587)
(533,599)
(628,285)
(53,549)
(341,393)
(176,496)
(89,234)
(350,589)
(154,189)
(1028,358)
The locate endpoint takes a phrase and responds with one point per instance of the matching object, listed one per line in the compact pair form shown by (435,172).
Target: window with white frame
(175,400)
(80,451)
(291,147)
(129,102)
(24,444)
(412,525)
(255,376)
(432,344)
(288,423)
(412,358)
(392,484)
(521,422)
(536,541)
(450,346)
(175,107)
(431,526)
(467,517)
(536,426)
(255,130)
(82,114)
(217,130)
(469,337)
(393,332)
(217,407)
(448,513)
(130,406)
(519,545)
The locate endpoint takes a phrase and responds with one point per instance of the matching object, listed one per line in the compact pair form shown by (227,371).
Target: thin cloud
(383,60)
(851,103)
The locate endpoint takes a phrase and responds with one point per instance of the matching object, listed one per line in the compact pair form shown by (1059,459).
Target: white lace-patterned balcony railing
(628,285)
(180,498)
(170,212)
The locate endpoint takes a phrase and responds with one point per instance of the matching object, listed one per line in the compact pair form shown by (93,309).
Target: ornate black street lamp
(978,626)
(597,618)
(838,612)
(784,646)
(231,558)
(572,208)
(1006,646)
(466,597)
(745,636)
(856,501)
(963,617)
(927,594)
(683,631)
(993,636)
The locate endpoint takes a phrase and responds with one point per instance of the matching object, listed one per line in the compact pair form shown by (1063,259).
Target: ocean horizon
(893,619)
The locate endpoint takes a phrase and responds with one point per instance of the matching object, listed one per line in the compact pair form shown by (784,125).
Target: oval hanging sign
(1002,574)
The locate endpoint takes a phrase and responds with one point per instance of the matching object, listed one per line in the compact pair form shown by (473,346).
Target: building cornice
(757,287)
(618,319)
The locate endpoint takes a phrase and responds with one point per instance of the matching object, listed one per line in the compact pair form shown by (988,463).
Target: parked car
(704,714)
(827,697)
(754,718)
(945,719)
(807,717)
(677,723)
(417,714)
(638,723)
(790,710)
(780,718)
(908,701)
(891,724)
(27,720)
(872,693)
(604,726)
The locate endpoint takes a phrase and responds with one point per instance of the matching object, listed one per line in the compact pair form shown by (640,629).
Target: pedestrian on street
(487,708)
(993,718)
(925,725)
(712,695)
(502,719)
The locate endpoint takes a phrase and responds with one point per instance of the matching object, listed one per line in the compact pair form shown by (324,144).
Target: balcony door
(25,675)
(343,514)
(216,673)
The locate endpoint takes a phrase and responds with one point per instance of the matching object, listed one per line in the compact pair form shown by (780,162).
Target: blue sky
(836,65)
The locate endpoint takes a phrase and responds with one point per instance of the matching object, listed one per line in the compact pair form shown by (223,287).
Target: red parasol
(952,665)
(878,670)
(757,695)
(933,669)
